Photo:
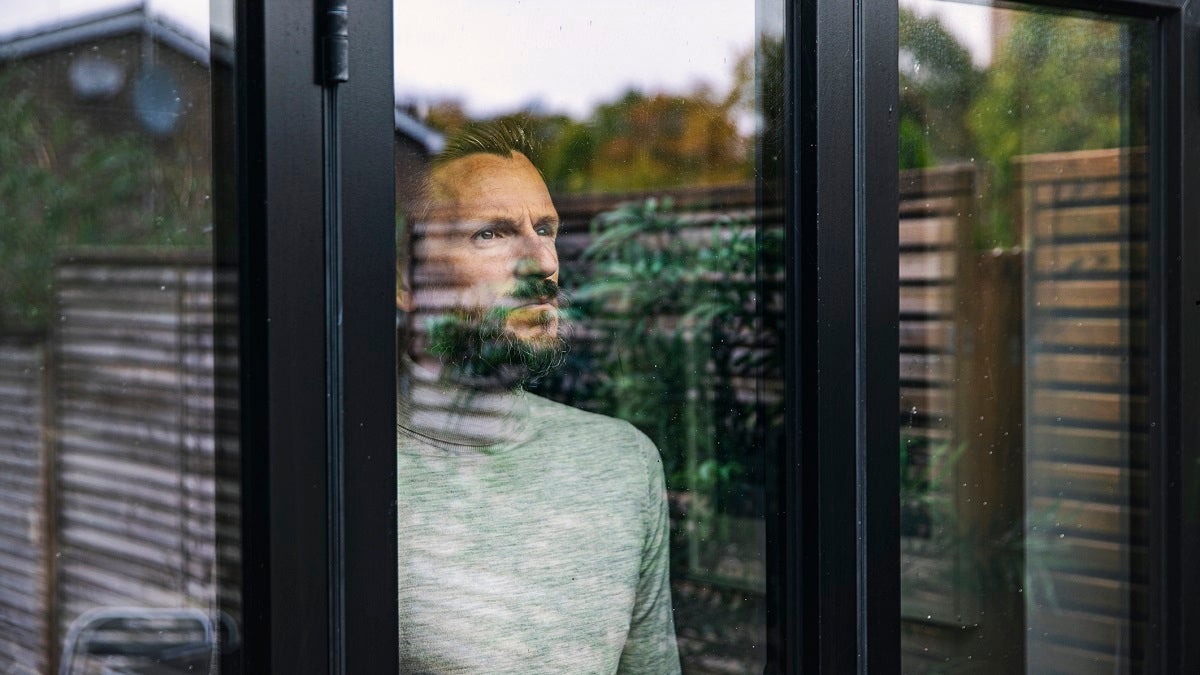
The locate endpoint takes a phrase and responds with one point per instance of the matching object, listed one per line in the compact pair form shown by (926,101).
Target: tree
(1058,83)
(937,83)
(62,184)
(662,140)
(638,141)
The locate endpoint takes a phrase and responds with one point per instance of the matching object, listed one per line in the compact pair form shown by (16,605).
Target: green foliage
(1057,83)
(914,145)
(937,83)
(638,141)
(926,473)
(671,301)
(999,557)
(646,291)
(64,184)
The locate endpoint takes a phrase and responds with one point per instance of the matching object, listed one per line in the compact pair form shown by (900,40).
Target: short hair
(501,137)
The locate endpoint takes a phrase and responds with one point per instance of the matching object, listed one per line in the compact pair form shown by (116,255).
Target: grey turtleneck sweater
(533,537)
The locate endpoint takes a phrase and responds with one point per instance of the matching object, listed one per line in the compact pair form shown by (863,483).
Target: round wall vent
(94,77)
(156,100)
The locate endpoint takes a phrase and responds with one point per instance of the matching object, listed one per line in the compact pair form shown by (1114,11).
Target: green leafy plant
(681,317)
(664,295)
(926,469)
(1005,556)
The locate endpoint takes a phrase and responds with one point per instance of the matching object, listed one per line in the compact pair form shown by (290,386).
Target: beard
(478,348)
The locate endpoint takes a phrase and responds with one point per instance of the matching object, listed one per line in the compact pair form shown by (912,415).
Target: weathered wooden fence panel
(134,403)
(951,298)
(1085,227)
(1049,395)
(936,218)
(23,579)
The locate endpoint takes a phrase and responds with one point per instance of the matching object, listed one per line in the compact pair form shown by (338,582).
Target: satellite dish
(94,77)
(157,101)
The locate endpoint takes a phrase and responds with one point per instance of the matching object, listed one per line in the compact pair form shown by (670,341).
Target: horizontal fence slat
(928,266)
(1081,165)
(1106,221)
(1087,445)
(1083,407)
(1049,656)
(1090,258)
(1116,295)
(1087,520)
(1093,595)
(939,232)
(1086,191)
(1101,484)
(926,335)
(1090,333)
(1101,370)
(936,300)
(930,368)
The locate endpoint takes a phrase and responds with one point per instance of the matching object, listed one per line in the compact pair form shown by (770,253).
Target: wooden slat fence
(935,224)
(1085,226)
(936,217)
(1049,392)
(134,405)
(23,578)
(943,279)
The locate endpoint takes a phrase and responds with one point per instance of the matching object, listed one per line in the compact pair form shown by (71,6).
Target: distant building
(101,68)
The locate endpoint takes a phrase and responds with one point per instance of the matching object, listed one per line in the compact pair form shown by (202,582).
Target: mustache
(538,290)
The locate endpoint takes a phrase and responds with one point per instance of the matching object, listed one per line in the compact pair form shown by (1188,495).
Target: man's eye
(485,234)
(545,231)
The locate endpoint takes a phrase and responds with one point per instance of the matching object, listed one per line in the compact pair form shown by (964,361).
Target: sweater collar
(456,416)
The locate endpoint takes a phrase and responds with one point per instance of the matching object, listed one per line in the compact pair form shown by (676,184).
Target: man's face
(489,244)
(486,272)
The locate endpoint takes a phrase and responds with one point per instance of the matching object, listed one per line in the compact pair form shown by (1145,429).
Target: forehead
(484,183)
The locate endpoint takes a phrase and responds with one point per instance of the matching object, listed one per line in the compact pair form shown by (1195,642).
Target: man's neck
(433,405)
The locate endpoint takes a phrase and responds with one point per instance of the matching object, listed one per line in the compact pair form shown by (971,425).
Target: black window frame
(833,523)
(297,140)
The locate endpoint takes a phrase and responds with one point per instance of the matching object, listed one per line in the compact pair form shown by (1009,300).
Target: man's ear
(404,299)
(404,296)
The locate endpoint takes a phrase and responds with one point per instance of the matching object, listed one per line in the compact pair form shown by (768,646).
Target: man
(533,536)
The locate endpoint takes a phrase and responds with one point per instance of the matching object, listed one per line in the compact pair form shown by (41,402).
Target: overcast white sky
(501,55)
(497,55)
(22,16)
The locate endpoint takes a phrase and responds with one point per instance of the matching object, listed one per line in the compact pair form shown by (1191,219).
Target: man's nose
(538,257)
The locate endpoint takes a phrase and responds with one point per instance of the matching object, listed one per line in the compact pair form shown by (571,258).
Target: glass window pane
(116,395)
(1023,227)
(589,289)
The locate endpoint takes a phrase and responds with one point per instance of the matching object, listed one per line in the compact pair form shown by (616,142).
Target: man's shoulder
(625,457)
(589,427)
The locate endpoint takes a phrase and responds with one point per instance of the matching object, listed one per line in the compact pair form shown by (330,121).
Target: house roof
(48,37)
(429,140)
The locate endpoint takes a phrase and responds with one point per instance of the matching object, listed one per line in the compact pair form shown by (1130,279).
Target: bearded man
(533,536)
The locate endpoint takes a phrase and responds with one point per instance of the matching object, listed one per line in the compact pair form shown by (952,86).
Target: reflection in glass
(108,395)
(1022,311)
(590,292)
